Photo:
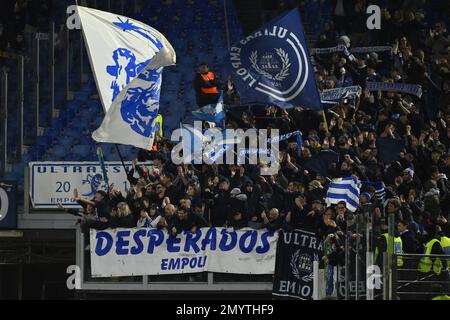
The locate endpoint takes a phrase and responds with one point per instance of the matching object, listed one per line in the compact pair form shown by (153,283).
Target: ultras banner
(296,252)
(52,183)
(136,252)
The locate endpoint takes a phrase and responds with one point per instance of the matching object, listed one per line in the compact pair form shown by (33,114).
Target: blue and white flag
(193,141)
(127,58)
(197,145)
(211,112)
(379,186)
(285,136)
(337,94)
(332,97)
(344,189)
(272,65)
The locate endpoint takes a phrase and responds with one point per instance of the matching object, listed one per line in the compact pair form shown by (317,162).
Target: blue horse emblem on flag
(124,69)
(140,105)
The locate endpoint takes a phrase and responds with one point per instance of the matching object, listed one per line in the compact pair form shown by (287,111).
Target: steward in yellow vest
(427,263)
(445,244)
(435,245)
(386,245)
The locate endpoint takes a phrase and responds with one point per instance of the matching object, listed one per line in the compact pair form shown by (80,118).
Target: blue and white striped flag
(344,189)
(379,186)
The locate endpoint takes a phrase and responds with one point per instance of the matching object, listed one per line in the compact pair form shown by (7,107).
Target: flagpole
(121,158)
(325,121)
(101,159)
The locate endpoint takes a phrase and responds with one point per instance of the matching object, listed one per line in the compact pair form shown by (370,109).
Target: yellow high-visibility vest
(398,248)
(159,125)
(441,297)
(426,264)
(445,244)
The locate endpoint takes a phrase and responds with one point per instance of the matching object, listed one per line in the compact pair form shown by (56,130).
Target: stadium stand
(416,188)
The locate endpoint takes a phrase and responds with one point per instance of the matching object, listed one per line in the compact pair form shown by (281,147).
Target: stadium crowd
(415,175)
(19,20)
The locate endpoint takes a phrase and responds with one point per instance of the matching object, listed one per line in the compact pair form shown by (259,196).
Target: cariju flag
(273,66)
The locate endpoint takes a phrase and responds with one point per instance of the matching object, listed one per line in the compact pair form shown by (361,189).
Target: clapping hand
(76,196)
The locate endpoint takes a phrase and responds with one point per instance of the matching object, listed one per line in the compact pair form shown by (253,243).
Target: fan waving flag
(344,189)
(199,145)
(211,112)
(127,57)
(379,186)
(273,66)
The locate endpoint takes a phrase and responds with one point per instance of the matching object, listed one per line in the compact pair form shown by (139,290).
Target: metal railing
(3,121)
(410,283)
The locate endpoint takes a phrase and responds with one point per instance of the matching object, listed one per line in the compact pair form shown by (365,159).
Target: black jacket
(276,224)
(122,222)
(193,220)
(239,204)
(103,209)
(409,242)
(221,208)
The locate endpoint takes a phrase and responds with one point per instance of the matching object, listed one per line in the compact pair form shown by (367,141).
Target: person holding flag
(206,86)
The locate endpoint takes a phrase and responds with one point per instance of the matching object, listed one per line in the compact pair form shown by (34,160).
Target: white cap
(345,40)
(235,191)
(409,171)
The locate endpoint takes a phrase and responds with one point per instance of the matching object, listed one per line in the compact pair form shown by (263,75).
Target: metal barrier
(4,121)
(409,283)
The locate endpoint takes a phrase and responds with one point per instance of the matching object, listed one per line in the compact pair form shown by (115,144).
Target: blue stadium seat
(192,26)
(85,140)
(82,150)
(63,141)
(59,151)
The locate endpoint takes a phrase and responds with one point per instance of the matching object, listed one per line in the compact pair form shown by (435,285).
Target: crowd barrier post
(390,251)
(369,255)
(20,106)
(36,78)
(357,258)
(4,121)
(51,64)
(347,263)
(67,64)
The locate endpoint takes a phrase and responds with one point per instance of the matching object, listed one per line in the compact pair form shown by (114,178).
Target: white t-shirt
(148,222)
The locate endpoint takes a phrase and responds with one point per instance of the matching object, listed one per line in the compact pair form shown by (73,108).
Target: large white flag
(127,57)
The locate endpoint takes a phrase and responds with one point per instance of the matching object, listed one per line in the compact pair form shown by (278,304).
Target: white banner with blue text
(54,182)
(139,252)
